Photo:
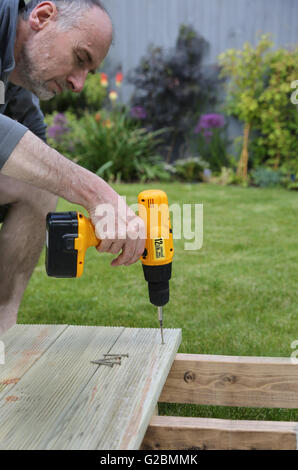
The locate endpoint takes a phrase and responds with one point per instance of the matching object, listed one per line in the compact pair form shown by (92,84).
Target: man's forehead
(97,22)
(95,31)
(92,37)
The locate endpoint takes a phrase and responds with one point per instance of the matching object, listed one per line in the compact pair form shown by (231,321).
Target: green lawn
(235,296)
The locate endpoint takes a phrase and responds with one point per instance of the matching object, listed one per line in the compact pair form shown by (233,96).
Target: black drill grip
(158,283)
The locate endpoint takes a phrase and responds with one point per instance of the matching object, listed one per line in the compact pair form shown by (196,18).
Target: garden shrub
(171,89)
(108,141)
(190,169)
(266,177)
(132,152)
(259,94)
(227,177)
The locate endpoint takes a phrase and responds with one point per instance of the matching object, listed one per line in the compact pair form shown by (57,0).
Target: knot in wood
(230,379)
(189,376)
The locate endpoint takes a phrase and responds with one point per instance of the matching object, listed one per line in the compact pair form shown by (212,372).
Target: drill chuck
(158,283)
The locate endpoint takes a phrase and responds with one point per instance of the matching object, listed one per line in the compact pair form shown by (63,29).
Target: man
(45,48)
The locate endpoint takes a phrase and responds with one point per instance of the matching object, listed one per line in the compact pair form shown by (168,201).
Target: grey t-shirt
(20,110)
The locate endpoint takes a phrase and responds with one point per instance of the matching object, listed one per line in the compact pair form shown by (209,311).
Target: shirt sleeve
(22,113)
(23,106)
(11,133)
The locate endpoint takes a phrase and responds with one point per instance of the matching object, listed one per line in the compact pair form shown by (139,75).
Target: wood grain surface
(172,433)
(55,398)
(232,381)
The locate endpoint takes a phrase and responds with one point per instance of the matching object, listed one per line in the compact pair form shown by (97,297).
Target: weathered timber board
(24,345)
(172,433)
(63,401)
(232,381)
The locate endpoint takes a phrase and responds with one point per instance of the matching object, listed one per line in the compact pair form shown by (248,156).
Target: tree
(246,71)
(258,93)
(278,116)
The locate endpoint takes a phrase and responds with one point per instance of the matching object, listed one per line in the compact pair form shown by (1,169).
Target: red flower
(119,78)
(104,79)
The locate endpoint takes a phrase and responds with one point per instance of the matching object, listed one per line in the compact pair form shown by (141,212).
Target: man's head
(58,43)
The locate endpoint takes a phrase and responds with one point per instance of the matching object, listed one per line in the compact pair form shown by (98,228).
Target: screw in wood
(102,362)
(189,376)
(116,355)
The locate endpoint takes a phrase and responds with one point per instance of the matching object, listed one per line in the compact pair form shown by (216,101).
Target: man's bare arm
(34,162)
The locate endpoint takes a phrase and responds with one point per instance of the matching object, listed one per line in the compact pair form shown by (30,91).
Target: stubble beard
(30,76)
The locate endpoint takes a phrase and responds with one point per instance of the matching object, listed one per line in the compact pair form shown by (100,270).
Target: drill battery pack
(61,255)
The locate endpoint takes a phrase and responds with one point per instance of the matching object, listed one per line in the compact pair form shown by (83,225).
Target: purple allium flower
(207,173)
(209,121)
(138,112)
(60,119)
(59,128)
(56,131)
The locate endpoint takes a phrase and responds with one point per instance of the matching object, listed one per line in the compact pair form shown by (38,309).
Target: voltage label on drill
(159,248)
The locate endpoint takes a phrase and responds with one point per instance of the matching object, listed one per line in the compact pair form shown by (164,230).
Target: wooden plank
(24,345)
(65,402)
(232,381)
(51,384)
(114,410)
(176,433)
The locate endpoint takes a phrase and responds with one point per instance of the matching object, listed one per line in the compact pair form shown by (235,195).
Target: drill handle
(86,238)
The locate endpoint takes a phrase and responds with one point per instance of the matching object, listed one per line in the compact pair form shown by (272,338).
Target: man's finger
(137,254)
(104,246)
(128,252)
(116,247)
(128,257)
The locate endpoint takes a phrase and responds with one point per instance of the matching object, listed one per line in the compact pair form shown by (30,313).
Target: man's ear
(42,15)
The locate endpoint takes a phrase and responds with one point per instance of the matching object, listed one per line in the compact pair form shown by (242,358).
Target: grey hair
(69,11)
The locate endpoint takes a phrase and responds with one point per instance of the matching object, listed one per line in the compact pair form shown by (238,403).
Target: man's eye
(80,60)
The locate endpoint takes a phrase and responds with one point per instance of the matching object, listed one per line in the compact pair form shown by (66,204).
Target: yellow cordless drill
(69,234)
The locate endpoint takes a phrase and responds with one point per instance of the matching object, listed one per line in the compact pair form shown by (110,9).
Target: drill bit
(159,310)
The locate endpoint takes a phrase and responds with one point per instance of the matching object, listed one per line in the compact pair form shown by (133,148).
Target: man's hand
(33,162)
(119,230)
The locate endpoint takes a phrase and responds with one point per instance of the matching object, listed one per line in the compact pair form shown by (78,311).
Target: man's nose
(77,80)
